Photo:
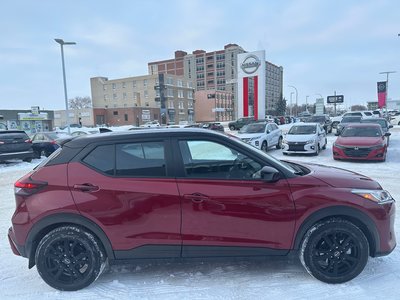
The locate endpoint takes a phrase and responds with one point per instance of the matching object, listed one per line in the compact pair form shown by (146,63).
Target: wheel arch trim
(50,222)
(360,219)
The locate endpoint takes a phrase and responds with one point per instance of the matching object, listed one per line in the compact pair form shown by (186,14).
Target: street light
(296,97)
(307,103)
(291,107)
(62,43)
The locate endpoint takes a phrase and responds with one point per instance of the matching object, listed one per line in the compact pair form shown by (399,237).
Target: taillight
(27,186)
(28,141)
(1,142)
(53,142)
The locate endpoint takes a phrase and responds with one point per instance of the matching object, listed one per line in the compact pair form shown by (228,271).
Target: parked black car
(214,126)
(15,144)
(345,121)
(239,123)
(324,120)
(45,143)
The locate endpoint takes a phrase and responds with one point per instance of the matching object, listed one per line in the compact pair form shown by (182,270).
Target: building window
(114,96)
(146,94)
(134,84)
(180,83)
(145,83)
(114,86)
(104,87)
(190,94)
(157,93)
(169,81)
(170,104)
(200,75)
(115,113)
(180,93)
(181,105)
(126,117)
(170,93)
(105,97)
(123,84)
(124,96)
(190,84)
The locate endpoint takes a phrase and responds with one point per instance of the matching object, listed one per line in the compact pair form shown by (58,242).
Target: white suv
(261,135)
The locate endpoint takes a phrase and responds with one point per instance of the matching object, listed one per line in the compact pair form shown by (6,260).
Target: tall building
(217,70)
(135,100)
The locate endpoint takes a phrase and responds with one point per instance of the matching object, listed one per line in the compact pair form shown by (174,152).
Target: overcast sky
(323,46)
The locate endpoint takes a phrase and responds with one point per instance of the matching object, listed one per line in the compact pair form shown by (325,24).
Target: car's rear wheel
(334,251)
(326,142)
(232,127)
(69,258)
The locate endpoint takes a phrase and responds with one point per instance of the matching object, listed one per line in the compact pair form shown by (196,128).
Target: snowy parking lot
(276,278)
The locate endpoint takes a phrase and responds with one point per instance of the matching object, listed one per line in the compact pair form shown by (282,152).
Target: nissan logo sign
(250,64)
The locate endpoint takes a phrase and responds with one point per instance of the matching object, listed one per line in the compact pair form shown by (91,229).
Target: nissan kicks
(192,193)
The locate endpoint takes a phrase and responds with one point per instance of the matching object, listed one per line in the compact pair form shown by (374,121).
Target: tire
(264,146)
(69,258)
(317,149)
(334,251)
(279,145)
(232,127)
(326,142)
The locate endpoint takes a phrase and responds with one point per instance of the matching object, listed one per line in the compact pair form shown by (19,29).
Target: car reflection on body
(361,142)
(305,138)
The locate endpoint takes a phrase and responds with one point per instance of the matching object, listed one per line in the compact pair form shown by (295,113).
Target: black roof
(83,140)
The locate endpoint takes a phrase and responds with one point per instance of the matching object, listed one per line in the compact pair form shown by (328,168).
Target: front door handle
(196,197)
(86,187)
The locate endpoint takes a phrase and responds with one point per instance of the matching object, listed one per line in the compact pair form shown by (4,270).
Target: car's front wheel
(69,258)
(279,145)
(334,251)
(264,146)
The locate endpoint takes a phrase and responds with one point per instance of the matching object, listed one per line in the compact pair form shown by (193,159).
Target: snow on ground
(276,278)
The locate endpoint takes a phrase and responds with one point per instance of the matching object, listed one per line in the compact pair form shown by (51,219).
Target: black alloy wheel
(69,258)
(334,251)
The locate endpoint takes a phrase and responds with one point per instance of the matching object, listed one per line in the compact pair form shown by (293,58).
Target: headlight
(378,196)
(378,147)
(255,138)
(338,146)
(310,142)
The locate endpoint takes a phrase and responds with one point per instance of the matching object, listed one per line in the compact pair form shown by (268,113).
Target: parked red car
(361,141)
(192,193)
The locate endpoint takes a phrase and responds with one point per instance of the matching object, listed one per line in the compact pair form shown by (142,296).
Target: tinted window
(211,160)
(141,159)
(102,159)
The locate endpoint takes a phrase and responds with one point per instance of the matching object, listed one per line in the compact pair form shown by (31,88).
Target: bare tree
(80,102)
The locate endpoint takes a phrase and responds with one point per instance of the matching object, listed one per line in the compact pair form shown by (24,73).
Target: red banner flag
(381,94)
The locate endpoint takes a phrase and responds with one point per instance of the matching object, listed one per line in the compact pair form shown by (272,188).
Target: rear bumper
(16,249)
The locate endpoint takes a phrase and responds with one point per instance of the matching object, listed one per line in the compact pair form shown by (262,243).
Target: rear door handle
(196,197)
(86,187)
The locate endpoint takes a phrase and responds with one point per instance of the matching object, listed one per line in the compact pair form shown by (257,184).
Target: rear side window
(102,159)
(141,159)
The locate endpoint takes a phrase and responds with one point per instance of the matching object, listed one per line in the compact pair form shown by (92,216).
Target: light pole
(387,86)
(291,107)
(62,43)
(292,86)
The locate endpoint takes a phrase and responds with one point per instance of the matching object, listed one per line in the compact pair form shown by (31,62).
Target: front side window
(101,159)
(212,160)
(141,159)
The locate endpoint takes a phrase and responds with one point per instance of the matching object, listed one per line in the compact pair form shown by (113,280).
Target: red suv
(190,193)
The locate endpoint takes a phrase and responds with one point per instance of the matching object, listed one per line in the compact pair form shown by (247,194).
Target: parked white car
(304,138)
(363,114)
(261,135)
(151,124)
(395,120)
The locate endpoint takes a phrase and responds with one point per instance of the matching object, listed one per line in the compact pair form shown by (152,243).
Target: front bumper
(298,148)
(358,153)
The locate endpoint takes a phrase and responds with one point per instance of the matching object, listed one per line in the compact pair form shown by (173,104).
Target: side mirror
(388,134)
(390,126)
(270,174)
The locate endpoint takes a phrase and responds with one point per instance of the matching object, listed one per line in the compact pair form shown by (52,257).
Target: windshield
(253,128)
(319,119)
(361,132)
(302,129)
(380,122)
(351,120)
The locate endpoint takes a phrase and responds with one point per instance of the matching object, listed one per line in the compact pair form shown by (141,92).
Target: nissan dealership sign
(250,64)
(251,83)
